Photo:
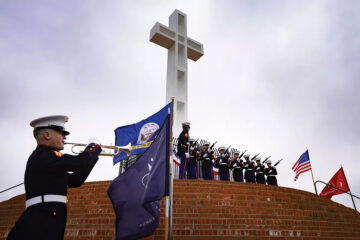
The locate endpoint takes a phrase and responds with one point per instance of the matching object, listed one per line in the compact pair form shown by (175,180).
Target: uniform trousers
(207,174)
(249,176)
(224,176)
(271,180)
(183,167)
(260,178)
(192,172)
(43,221)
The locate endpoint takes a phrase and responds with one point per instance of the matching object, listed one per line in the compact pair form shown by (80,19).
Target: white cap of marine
(56,122)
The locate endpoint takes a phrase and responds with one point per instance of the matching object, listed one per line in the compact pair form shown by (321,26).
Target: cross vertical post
(180,48)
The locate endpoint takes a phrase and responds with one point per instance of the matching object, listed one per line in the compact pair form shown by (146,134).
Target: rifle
(211,147)
(242,154)
(194,144)
(255,156)
(266,159)
(277,162)
(227,150)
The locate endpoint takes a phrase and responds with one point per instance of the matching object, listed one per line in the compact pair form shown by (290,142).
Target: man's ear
(47,135)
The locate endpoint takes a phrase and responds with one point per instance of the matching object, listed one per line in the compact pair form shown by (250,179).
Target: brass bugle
(116,149)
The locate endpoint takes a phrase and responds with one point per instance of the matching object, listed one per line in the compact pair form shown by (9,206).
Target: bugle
(116,149)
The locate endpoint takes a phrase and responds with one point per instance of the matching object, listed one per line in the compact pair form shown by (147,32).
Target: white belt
(45,198)
(259,173)
(271,175)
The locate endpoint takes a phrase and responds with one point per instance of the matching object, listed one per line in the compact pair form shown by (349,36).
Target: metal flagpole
(349,188)
(312,174)
(168,199)
(171,193)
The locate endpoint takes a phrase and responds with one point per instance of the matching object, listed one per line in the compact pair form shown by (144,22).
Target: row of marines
(242,170)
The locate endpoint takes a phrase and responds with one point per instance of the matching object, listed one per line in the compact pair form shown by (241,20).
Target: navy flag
(136,194)
(140,134)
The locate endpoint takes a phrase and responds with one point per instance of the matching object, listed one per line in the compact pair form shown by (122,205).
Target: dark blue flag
(136,194)
(140,134)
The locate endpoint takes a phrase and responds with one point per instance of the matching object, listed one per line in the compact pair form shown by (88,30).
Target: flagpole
(352,198)
(168,199)
(312,175)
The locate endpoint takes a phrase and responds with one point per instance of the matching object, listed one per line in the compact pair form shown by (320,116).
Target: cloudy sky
(277,77)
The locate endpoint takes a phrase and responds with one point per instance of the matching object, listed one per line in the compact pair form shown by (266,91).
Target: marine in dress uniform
(271,173)
(237,166)
(260,171)
(48,174)
(183,149)
(249,169)
(223,164)
(192,166)
(206,162)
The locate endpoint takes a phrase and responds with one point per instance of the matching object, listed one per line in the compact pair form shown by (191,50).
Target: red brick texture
(210,210)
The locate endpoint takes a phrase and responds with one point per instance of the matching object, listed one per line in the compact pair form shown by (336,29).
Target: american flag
(302,164)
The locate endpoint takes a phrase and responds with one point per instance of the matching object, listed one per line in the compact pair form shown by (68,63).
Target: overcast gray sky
(277,77)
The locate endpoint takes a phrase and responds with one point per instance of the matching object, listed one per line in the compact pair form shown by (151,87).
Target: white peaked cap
(257,158)
(246,155)
(56,122)
(186,124)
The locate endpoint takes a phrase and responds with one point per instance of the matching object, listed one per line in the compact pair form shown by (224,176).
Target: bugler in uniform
(260,171)
(47,177)
(271,173)
(183,149)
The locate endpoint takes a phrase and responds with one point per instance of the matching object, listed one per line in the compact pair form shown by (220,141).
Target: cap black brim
(56,128)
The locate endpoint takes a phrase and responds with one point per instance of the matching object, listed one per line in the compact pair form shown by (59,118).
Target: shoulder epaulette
(58,154)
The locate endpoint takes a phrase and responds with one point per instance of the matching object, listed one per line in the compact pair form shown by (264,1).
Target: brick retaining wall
(210,210)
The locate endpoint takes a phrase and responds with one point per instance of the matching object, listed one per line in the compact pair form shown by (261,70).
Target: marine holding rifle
(223,162)
(237,166)
(271,173)
(206,158)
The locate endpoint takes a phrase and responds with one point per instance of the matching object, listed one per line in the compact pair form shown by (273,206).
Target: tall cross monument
(180,48)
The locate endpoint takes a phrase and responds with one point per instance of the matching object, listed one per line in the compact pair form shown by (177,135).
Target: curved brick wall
(210,210)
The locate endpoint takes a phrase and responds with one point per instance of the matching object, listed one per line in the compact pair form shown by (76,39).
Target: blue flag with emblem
(140,134)
(136,194)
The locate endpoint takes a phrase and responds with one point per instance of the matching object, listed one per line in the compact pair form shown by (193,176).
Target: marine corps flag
(338,181)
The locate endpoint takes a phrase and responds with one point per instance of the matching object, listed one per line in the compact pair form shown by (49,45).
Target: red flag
(338,181)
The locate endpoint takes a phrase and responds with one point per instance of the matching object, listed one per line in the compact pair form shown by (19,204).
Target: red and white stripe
(301,168)
(215,170)
(176,159)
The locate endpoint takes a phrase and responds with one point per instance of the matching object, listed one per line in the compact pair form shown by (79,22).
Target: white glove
(94,140)
(187,155)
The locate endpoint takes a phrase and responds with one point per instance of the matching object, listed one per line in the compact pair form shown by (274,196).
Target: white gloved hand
(187,155)
(94,140)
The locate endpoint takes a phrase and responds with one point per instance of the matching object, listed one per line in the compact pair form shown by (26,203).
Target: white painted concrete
(180,48)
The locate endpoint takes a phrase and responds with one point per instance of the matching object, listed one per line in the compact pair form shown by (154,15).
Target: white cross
(180,48)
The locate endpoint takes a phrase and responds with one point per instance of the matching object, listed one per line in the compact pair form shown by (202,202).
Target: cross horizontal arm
(162,35)
(166,37)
